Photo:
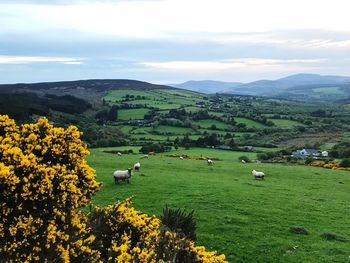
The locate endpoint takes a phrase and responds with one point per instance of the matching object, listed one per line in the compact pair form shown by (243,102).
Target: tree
(113,113)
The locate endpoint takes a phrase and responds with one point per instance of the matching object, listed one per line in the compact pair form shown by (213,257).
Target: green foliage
(318,113)
(309,160)
(332,236)
(107,115)
(298,230)
(345,163)
(179,221)
(67,103)
(154,147)
(341,150)
(268,156)
(21,106)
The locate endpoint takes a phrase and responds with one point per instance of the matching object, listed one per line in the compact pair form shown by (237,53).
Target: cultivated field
(246,219)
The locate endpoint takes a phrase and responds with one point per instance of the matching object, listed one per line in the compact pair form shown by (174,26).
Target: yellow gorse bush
(330,165)
(44,180)
(123,234)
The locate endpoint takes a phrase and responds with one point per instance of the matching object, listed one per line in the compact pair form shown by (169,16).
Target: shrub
(298,230)
(179,221)
(345,163)
(44,180)
(157,148)
(124,234)
(332,236)
(309,160)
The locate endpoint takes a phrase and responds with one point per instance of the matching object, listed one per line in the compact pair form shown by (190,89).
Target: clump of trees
(154,147)
(107,115)
(341,150)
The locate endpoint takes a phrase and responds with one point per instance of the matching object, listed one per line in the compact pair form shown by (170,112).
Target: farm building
(305,153)
(324,153)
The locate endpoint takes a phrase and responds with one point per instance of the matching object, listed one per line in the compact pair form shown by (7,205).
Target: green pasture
(126,128)
(209,123)
(131,114)
(284,123)
(156,137)
(174,130)
(162,99)
(327,145)
(164,129)
(218,114)
(249,123)
(192,109)
(246,219)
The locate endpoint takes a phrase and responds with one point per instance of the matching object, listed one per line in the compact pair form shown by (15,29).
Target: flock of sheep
(125,175)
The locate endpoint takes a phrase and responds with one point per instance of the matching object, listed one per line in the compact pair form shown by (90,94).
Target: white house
(324,154)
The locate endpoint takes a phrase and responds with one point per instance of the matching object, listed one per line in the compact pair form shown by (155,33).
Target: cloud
(37,59)
(231,64)
(69,2)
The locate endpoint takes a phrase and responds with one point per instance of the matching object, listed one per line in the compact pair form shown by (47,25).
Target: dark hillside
(92,84)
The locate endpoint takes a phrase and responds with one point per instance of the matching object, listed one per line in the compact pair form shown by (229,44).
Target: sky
(172,41)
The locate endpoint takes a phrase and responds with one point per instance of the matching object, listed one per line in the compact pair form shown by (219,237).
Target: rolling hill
(206,86)
(305,87)
(287,85)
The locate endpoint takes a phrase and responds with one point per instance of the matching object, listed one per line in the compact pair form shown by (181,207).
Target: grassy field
(249,123)
(248,220)
(164,129)
(209,123)
(283,123)
(132,114)
(162,98)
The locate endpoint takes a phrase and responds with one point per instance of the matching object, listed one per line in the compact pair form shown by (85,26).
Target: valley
(235,214)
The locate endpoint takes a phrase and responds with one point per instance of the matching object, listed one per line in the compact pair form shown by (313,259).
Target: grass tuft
(332,236)
(298,230)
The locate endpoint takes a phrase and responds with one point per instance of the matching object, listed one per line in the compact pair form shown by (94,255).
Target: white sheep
(181,158)
(122,175)
(210,162)
(242,161)
(258,175)
(119,154)
(137,166)
(144,156)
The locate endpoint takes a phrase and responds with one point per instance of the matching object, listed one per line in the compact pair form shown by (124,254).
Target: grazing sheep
(119,154)
(144,156)
(258,175)
(242,161)
(181,158)
(122,175)
(210,162)
(137,166)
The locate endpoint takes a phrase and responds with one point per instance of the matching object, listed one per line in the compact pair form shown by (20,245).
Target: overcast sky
(170,41)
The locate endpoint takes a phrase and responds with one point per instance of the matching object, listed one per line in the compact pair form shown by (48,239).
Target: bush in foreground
(179,221)
(45,180)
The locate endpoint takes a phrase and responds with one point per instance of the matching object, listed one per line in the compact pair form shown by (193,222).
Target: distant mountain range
(302,87)
(298,87)
(206,86)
